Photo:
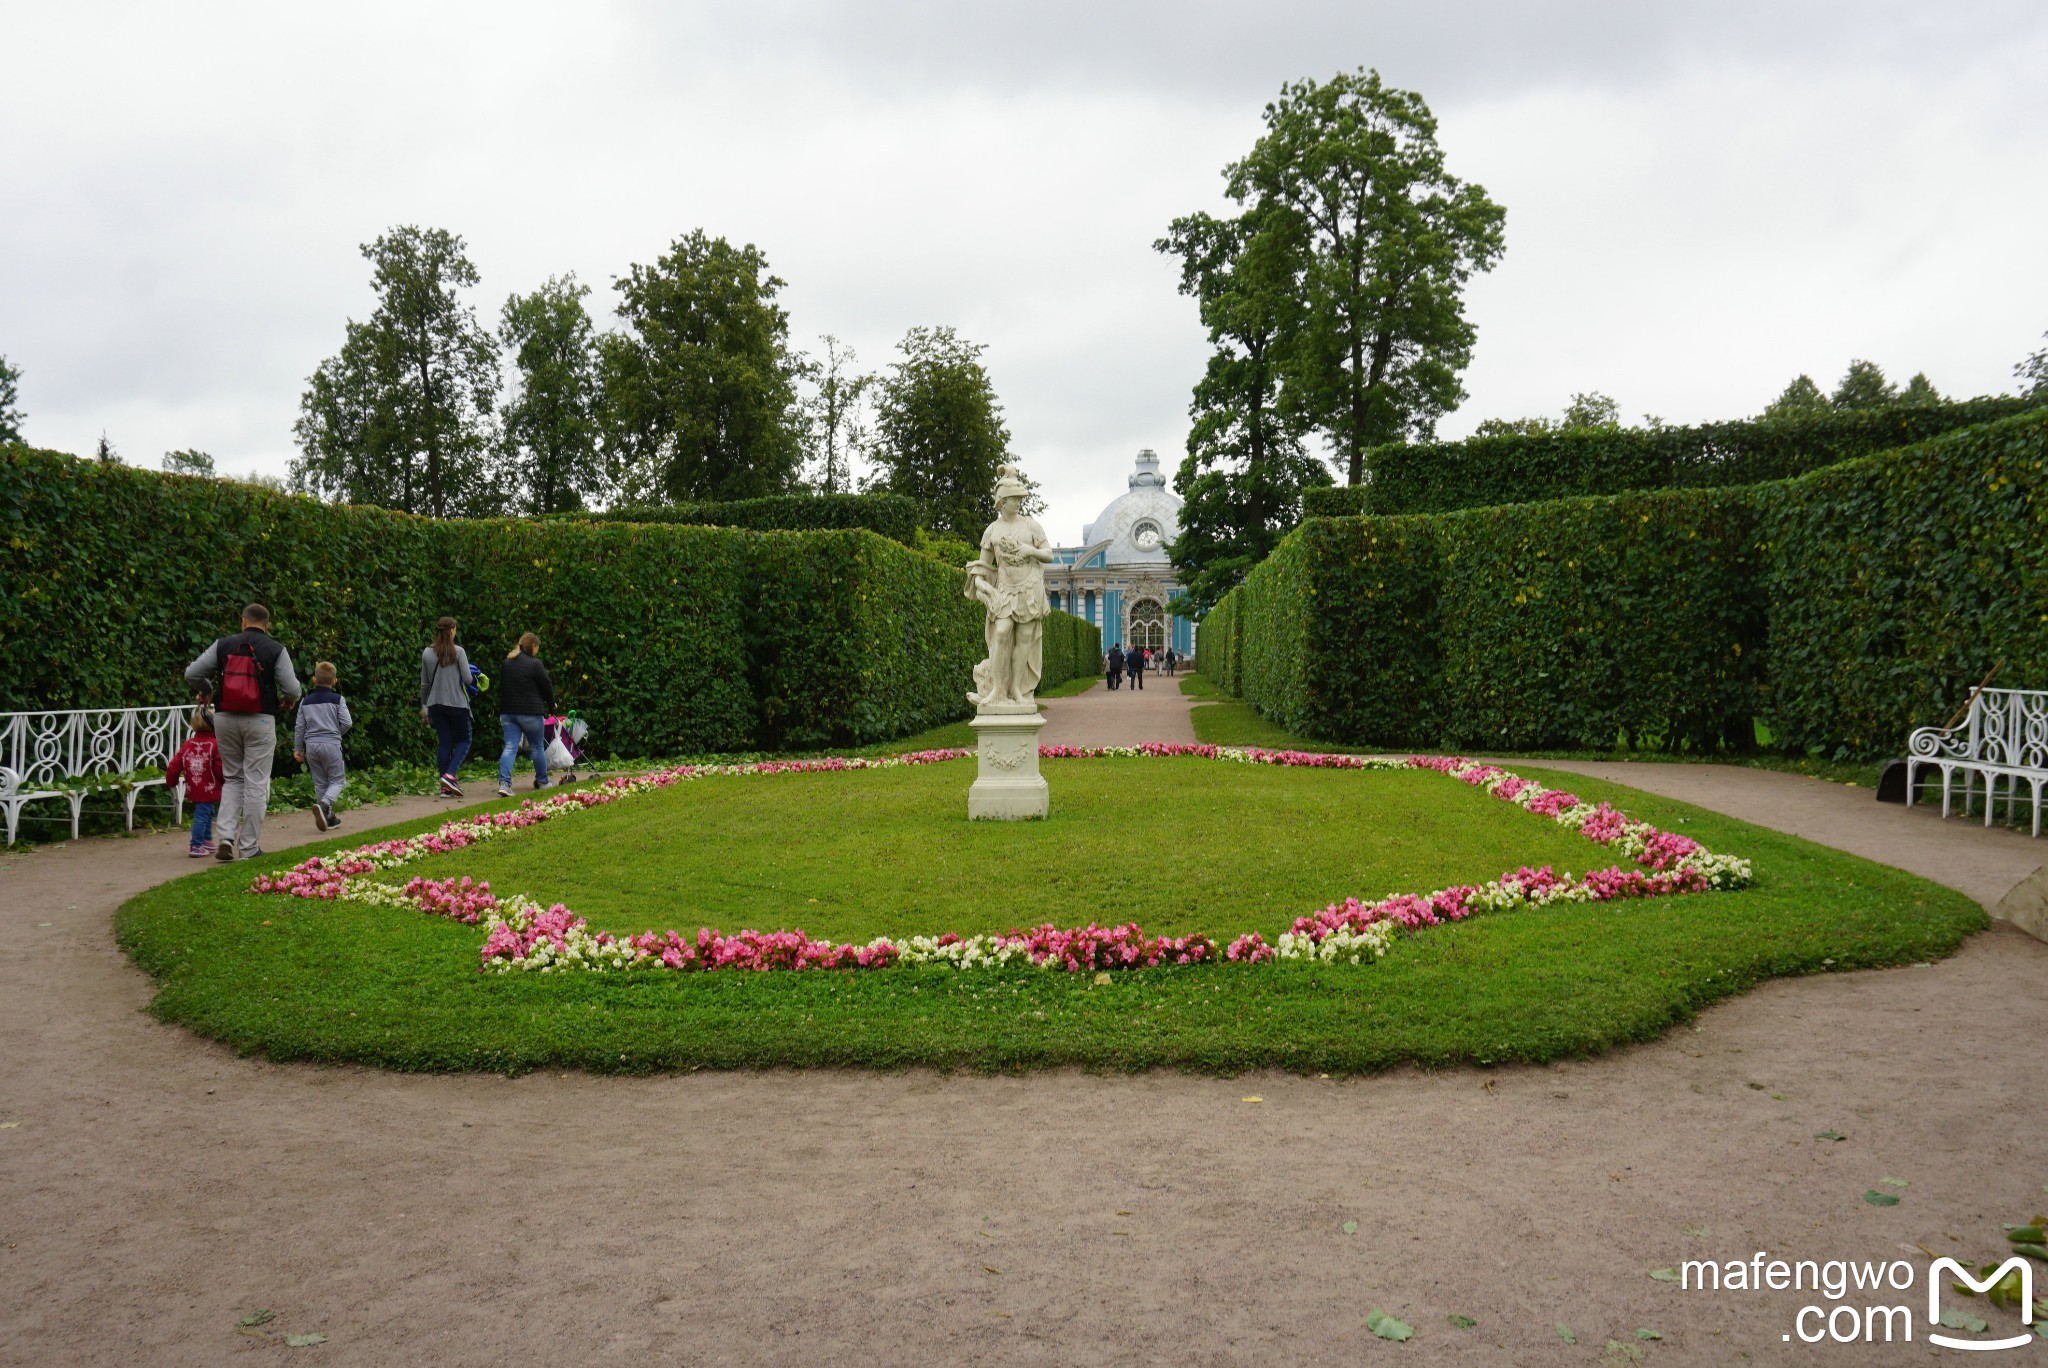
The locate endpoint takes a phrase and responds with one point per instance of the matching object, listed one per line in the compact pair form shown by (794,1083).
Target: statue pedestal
(1009,787)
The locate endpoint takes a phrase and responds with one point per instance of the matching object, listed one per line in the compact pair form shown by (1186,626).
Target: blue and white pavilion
(1119,577)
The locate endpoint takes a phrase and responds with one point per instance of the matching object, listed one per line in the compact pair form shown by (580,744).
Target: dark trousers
(451,728)
(1115,680)
(1137,679)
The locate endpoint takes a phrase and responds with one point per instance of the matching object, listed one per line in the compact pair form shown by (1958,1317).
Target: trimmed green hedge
(1437,477)
(1841,608)
(1073,649)
(668,639)
(892,515)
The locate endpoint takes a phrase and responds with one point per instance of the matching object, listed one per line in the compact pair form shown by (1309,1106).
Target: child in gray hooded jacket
(316,742)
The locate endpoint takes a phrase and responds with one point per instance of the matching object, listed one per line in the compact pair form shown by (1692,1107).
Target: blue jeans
(451,729)
(202,822)
(528,726)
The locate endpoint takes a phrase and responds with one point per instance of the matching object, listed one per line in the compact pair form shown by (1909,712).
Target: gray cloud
(1703,201)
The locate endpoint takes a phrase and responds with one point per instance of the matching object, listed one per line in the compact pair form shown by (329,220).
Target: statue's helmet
(1009,484)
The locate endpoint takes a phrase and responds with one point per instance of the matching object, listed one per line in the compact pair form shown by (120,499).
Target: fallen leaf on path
(1351,1227)
(1876,1198)
(1254,1099)
(1387,1328)
(1648,1335)
(1955,1318)
(1564,1332)
(1462,1322)
(990,1268)
(1004,1314)
(1697,1232)
(261,1317)
(1829,1135)
(302,1341)
(1617,1352)
(1664,1274)
(1894,1182)
(9,1125)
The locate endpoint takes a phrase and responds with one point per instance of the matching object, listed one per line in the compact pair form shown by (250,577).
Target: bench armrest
(1939,743)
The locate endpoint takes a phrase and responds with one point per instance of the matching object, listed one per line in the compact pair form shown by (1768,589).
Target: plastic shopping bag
(559,757)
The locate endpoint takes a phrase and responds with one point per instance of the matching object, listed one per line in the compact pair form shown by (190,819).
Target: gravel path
(154,1188)
(1157,712)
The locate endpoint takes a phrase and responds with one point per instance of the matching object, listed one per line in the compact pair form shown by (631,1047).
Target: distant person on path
(444,702)
(1134,666)
(197,764)
(316,741)
(525,696)
(1172,660)
(1116,666)
(256,683)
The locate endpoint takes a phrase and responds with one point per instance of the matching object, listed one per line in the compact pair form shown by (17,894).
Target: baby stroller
(563,737)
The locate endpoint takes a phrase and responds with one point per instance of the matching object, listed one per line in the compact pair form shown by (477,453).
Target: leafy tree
(550,426)
(1801,399)
(2033,372)
(699,395)
(1864,387)
(1389,239)
(188,462)
(1589,411)
(834,410)
(401,415)
(104,452)
(1245,468)
(1921,391)
(939,431)
(1514,427)
(11,416)
(1592,410)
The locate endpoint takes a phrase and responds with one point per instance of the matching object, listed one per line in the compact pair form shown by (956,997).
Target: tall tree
(2033,374)
(699,395)
(11,415)
(1245,468)
(188,462)
(401,416)
(834,407)
(1801,399)
(1391,239)
(550,425)
(939,431)
(104,453)
(1592,410)
(1864,387)
(1921,391)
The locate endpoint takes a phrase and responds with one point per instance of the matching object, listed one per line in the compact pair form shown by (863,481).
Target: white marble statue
(1009,577)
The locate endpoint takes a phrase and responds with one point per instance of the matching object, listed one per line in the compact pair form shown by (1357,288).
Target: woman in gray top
(444,702)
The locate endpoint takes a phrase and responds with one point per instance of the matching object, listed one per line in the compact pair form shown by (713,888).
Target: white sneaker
(504,790)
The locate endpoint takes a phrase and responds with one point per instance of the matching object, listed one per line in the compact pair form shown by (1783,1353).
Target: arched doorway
(1148,625)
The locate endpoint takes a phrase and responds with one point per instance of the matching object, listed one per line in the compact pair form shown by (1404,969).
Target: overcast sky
(1703,200)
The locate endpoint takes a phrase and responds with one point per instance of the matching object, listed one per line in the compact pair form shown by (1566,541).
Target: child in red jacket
(197,764)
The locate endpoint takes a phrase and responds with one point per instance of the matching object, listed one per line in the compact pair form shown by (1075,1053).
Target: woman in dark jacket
(525,696)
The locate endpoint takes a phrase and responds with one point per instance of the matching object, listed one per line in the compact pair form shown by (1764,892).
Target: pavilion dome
(1140,523)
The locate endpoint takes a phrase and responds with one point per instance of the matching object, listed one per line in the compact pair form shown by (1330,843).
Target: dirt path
(153,1187)
(1157,712)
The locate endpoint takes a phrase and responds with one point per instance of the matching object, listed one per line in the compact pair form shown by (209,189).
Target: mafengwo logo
(1883,1312)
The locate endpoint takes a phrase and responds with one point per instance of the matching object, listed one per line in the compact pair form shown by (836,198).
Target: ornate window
(1148,625)
(1147,535)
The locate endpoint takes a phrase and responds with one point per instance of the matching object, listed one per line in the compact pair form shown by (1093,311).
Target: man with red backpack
(256,683)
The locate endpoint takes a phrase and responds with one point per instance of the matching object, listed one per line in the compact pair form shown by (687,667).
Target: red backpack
(241,690)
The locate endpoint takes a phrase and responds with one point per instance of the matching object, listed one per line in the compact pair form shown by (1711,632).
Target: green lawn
(1180,844)
(859,855)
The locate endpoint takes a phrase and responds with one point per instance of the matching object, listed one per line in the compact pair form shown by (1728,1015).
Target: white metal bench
(2003,738)
(72,753)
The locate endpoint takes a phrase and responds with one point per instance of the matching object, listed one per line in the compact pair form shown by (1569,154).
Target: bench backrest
(43,749)
(2010,727)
